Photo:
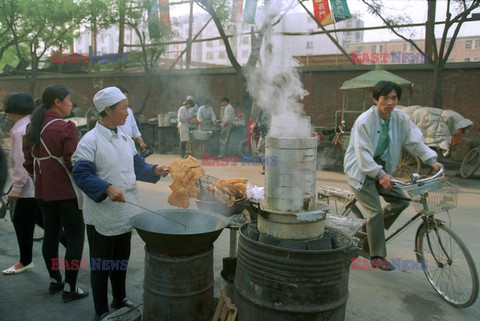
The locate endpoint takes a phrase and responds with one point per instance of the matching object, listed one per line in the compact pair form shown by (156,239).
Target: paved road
(374,295)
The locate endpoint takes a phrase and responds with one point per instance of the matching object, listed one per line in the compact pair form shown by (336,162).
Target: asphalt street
(401,295)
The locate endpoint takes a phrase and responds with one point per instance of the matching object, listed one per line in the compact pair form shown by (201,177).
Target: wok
(164,236)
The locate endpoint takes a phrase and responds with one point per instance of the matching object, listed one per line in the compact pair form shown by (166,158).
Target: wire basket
(207,180)
(437,200)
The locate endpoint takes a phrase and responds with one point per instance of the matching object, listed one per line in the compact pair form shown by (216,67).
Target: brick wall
(460,83)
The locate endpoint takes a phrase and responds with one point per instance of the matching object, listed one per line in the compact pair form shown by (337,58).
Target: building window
(381,48)
(374,49)
(358,36)
(359,48)
(309,45)
(245,40)
(209,55)
(477,43)
(210,43)
(468,44)
(221,55)
(467,59)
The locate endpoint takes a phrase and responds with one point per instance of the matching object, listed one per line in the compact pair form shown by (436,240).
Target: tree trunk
(33,77)
(148,92)
(437,85)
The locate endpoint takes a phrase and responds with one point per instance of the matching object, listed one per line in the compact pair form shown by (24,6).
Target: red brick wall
(460,83)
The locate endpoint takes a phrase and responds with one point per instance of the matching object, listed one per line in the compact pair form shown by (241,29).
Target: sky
(415,10)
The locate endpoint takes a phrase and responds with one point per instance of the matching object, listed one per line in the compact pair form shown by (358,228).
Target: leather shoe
(71,296)
(12,270)
(125,303)
(102,317)
(55,287)
(382,264)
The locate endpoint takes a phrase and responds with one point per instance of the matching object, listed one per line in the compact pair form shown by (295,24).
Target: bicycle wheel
(447,264)
(470,163)
(407,165)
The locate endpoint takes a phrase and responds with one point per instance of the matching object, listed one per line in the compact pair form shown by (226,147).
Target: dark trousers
(57,215)
(26,214)
(183,149)
(102,248)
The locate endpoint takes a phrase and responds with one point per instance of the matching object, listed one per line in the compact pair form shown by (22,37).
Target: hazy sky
(415,10)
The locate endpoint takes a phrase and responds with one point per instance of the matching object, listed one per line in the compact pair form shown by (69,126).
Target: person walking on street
(48,147)
(228,115)
(106,168)
(376,142)
(18,107)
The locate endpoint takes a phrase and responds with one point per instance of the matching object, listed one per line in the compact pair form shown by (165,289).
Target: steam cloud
(276,87)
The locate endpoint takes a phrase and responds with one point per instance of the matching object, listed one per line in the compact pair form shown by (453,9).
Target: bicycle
(470,163)
(450,270)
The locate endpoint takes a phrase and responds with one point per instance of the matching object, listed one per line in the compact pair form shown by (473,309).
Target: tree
(41,25)
(456,13)
(217,11)
(135,14)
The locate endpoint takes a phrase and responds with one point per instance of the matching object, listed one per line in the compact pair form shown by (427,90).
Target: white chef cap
(107,97)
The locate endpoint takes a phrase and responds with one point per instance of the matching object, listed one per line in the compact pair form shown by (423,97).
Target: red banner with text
(322,13)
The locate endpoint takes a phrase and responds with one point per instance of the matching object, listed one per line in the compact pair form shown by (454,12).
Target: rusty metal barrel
(282,284)
(178,288)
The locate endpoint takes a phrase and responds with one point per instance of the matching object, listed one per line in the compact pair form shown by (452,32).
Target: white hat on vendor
(107,97)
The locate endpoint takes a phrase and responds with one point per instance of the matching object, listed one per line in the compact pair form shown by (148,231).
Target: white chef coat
(112,154)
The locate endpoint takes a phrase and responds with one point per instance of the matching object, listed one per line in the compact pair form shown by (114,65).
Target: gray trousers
(379,219)
(224,138)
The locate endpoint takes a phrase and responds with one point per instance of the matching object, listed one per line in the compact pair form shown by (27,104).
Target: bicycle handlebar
(438,176)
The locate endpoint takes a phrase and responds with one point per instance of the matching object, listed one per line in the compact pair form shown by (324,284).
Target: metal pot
(164,236)
(201,134)
(218,207)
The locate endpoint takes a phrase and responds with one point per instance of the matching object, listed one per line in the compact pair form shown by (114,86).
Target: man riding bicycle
(376,141)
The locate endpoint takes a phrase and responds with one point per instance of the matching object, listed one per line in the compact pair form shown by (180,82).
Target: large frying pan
(163,235)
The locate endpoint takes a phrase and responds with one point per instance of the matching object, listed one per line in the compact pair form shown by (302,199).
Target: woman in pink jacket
(18,107)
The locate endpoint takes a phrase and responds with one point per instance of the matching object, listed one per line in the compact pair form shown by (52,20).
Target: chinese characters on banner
(325,16)
(340,10)
(322,13)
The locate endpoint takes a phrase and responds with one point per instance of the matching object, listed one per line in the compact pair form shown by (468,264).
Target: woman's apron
(37,160)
